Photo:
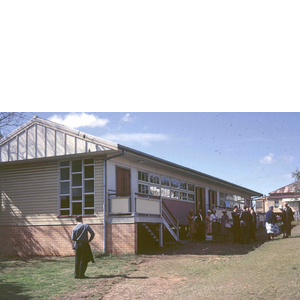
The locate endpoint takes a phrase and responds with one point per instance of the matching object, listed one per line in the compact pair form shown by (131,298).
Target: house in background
(50,173)
(277,198)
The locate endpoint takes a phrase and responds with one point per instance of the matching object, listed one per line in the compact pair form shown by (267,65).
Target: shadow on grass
(12,291)
(221,247)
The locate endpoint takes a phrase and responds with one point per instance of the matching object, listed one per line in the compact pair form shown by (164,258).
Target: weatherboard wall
(30,194)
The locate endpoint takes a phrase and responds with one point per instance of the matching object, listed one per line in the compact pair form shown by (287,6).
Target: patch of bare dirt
(151,277)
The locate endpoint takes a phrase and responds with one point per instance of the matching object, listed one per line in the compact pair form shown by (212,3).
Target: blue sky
(255,150)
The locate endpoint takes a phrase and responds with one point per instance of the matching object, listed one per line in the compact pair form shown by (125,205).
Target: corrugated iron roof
(288,189)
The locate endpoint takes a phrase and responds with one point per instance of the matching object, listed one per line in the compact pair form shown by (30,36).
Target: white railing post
(132,199)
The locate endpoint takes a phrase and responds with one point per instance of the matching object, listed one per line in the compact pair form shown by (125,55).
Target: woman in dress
(224,220)
(271,221)
(191,219)
(208,229)
(214,224)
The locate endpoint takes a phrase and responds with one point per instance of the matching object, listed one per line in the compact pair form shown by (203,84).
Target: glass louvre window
(143,189)
(76,179)
(65,187)
(222,202)
(175,194)
(89,161)
(64,173)
(191,187)
(229,200)
(157,186)
(76,208)
(64,163)
(89,201)
(191,197)
(165,192)
(89,172)
(155,190)
(77,187)
(89,186)
(183,196)
(165,181)
(143,176)
(174,183)
(183,185)
(76,166)
(65,202)
(77,194)
(154,178)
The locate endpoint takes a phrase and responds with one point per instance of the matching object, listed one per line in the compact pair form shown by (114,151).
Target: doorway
(123,182)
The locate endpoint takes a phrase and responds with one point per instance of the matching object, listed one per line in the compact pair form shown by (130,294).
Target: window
(155,190)
(143,189)
(174,183)
(155,185)
(259,204)
(165,181)
(143,176)
(183,196)
(191,197)
(77,187)
(276,203)
(165,193)
(154,178)
(191,187)
(229,200)
(175,194)
(183,185)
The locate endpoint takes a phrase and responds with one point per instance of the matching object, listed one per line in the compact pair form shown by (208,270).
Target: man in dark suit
(83,254)
(236,224)
(200,225)
(252,227)
(245,219)
(289,218)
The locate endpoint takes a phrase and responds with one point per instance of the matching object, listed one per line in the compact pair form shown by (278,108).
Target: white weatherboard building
(50,173)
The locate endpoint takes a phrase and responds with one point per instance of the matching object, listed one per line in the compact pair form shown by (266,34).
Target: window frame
(164,186)
(73,202)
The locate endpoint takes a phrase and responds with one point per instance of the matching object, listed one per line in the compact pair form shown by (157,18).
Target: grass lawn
(52,278)
(204,270)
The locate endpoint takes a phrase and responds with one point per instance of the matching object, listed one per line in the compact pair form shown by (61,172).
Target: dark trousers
(245,234)
(200,231)
(288,227)
(81,260)
(252,231)
(236,233)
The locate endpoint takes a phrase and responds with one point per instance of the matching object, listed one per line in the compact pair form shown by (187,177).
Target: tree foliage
(296,184)
(10,120)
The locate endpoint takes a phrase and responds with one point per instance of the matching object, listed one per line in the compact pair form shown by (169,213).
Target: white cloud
(142,138)
(76,120)
(268,159)
(127,118)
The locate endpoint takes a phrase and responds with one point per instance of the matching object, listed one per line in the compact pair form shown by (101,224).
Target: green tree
(296,183)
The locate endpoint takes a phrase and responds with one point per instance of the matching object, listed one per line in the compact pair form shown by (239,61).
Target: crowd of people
(243,225)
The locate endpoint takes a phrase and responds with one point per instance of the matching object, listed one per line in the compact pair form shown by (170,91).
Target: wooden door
(123,182)
(200,200)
